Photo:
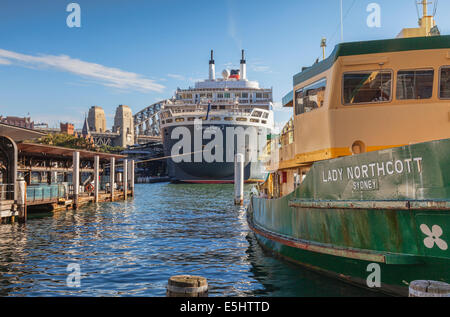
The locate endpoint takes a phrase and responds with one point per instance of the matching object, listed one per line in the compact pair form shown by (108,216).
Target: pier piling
(187,286)
(76,178)
(125,179)
(96,177)
(429,289)
(239,179)
(112,176)
(22,200)
(132,177)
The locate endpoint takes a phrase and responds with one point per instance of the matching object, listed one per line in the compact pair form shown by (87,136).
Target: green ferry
(359,179)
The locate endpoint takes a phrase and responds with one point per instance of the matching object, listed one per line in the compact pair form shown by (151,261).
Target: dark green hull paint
(328,223)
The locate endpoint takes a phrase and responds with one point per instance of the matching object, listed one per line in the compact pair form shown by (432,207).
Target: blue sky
(136,52)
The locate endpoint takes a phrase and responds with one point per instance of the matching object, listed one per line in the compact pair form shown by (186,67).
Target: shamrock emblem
(434,237)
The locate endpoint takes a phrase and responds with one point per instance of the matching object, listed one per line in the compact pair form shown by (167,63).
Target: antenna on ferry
(342,23)
(425,4)
(323,45)
(243,67)
(212,67)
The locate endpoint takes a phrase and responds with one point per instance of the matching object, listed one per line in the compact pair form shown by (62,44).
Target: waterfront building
(23,122)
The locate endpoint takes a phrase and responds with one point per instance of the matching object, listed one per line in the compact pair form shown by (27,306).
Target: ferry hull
(392,220)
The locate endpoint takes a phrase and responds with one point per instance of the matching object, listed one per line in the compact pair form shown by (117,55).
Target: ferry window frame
(413,70)
(391,71)
(440,80)
(298,111)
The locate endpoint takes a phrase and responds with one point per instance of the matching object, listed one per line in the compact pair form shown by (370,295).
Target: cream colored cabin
(366,96)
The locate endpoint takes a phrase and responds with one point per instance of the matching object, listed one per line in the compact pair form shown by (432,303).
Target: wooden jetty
(36,177)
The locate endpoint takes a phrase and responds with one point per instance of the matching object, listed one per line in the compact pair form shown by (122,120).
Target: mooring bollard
(22,200)
(239,179)
(187,286)
(429,289)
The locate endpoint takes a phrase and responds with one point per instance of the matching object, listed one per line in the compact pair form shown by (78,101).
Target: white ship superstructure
(230,99)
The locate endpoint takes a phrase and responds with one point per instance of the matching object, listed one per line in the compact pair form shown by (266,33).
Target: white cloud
(176,76)
(259,67)
(233,31)
(106,76)
(277,105)
(4,62)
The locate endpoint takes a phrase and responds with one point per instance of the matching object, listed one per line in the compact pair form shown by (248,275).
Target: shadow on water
(132,248)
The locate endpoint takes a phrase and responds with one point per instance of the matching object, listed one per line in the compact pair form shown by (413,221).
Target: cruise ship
(205,126)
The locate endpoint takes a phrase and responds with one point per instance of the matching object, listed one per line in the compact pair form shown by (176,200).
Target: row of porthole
(239,119)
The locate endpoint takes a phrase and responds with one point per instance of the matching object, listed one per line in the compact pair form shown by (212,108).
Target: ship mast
(427,24)
(425,7)
(426,21)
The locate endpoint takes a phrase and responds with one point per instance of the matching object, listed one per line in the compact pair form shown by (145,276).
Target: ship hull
(198,171)
(382,227)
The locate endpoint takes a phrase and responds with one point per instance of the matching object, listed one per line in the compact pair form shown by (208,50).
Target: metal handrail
(6,192)
(46,192)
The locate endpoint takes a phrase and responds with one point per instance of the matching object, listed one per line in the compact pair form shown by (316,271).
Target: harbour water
(132,248)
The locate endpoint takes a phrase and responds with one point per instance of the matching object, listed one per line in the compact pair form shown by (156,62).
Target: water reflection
(132,248)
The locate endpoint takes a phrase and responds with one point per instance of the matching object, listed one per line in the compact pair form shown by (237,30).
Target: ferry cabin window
(415,84)
(367,87)
(298,102)
(444,90)
(311,97)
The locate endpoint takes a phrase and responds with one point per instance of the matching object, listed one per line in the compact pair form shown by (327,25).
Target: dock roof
(62,151)
(18,133)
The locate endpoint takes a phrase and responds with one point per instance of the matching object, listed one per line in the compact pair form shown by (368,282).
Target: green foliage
(111,149)
(72,142)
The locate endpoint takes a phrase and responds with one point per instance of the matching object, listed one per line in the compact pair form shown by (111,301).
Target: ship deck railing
(221,102)
(231,112)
